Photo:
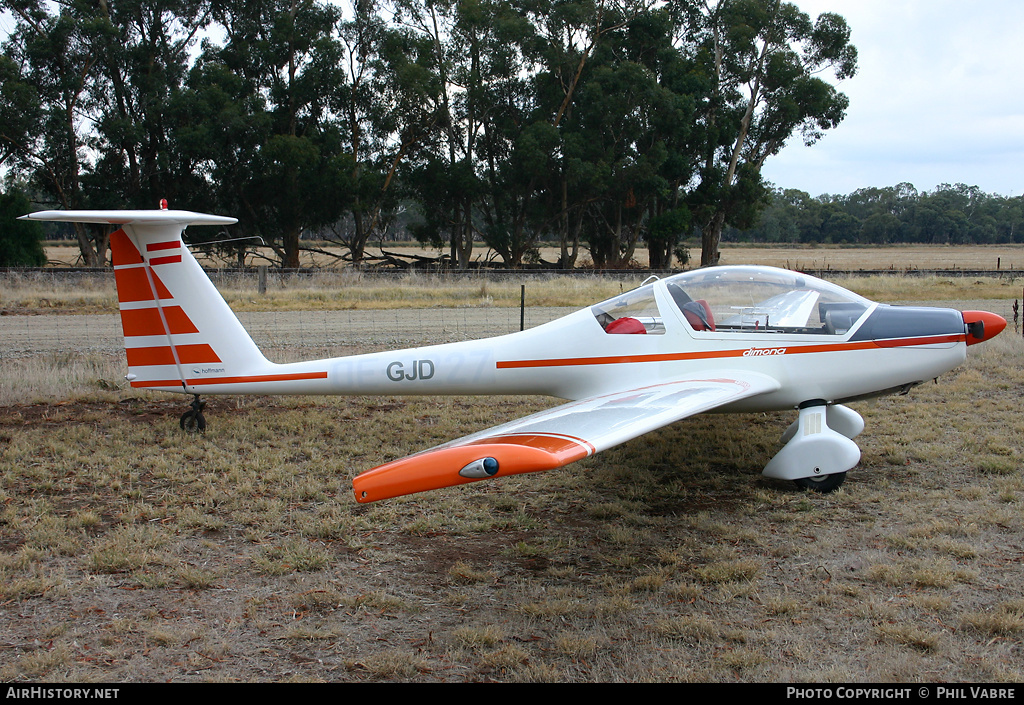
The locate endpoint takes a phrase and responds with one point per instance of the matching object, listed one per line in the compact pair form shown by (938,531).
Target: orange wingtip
(440,468)
(990,326)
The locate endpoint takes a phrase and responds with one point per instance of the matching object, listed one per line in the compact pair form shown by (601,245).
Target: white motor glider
(732,338)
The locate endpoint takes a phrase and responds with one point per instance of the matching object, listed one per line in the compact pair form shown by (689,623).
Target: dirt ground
(132,552)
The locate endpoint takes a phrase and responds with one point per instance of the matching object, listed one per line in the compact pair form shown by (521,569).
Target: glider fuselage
(574,357)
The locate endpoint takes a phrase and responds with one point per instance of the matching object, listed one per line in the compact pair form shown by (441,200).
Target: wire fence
(285,336)
(282,335)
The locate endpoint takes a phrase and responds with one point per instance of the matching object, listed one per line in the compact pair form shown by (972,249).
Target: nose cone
(982,325)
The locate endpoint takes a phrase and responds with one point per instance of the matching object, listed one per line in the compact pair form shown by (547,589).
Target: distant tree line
(604,125)
(950,215)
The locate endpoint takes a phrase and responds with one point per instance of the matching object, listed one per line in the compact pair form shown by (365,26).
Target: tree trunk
(291,250)
(357,246)
(710,237)
(570,236)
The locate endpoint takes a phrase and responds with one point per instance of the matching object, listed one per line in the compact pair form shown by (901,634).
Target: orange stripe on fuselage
(742,352)
(146,321)
(927,340)
(295,377)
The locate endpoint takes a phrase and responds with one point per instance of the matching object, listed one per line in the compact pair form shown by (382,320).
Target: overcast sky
(937,99)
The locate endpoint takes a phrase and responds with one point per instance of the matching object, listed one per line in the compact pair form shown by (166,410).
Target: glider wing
(559,436)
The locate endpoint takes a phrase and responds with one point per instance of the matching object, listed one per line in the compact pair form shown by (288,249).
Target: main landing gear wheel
(193,420)
(823,484)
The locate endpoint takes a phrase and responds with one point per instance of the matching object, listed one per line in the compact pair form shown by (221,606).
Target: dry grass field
(984,257)
(132,552)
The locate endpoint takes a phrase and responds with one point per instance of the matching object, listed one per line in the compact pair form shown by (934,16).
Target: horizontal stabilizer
(139,217)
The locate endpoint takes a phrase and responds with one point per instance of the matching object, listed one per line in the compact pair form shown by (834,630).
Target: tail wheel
(193,420)
(822,484)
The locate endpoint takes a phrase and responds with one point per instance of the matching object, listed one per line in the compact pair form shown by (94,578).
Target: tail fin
(179,332)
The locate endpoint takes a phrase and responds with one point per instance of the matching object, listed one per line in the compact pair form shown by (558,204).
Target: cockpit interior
(739,299)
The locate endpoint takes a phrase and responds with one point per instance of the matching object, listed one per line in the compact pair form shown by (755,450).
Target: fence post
(522,306)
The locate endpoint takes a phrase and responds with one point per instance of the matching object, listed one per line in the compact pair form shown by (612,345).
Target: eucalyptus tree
(509,72)
(106,76)
(443,176)
(280,162)
(20,243)
(518,148)
(612,141)
(568,33)
(49,69)
(762,61)
(20,111)
(387,103)
(143,56)
(612,87)
(550,138)
(643,98)
(1010,219)
(220,126)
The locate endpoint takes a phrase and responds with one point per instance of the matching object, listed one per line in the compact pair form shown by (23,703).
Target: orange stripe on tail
(146,321)
(133,285)
(168,245)
(162,355)
(165,260)
(122,250)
